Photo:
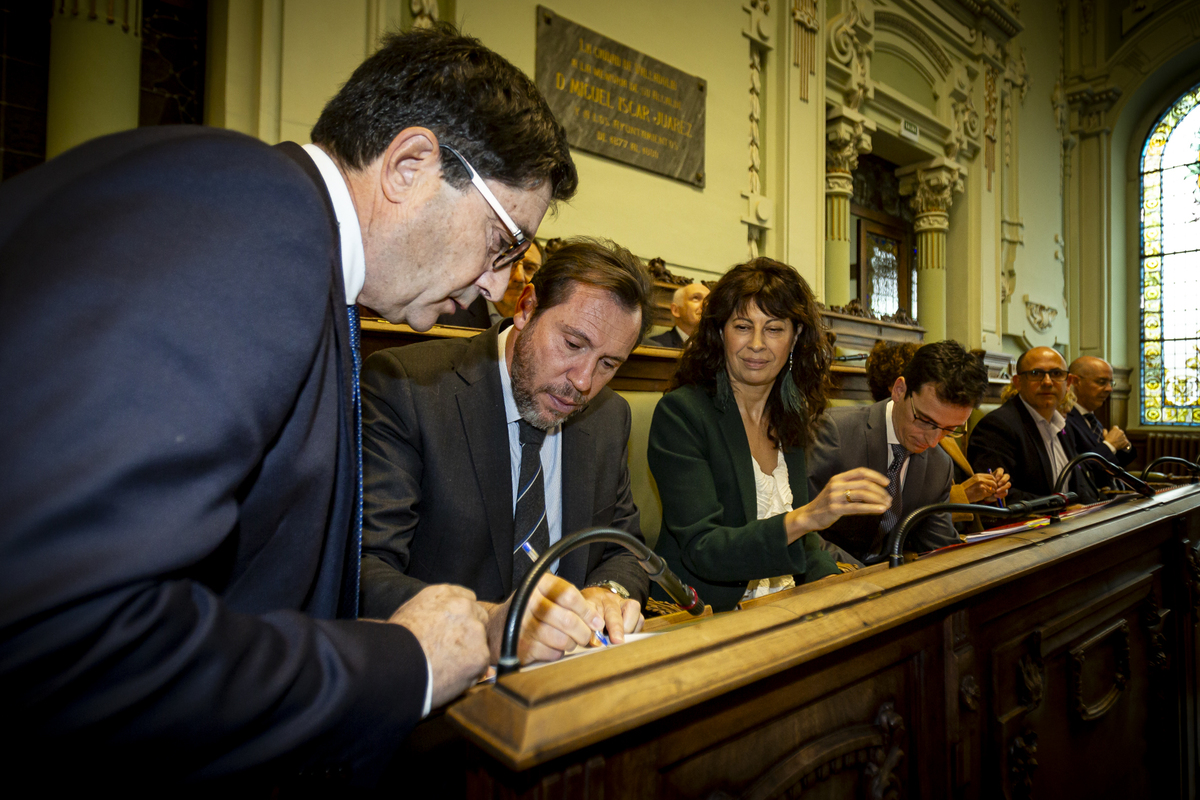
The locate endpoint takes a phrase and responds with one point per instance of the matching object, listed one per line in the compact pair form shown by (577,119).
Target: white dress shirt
(1050,430)
(354,273)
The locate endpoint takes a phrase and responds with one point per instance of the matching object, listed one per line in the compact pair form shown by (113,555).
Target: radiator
(1180,445)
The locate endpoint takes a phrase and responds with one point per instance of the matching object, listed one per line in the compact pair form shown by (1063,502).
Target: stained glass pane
(883,275)
(1170,267)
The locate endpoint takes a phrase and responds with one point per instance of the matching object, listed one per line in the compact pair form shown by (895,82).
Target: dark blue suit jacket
(177,454)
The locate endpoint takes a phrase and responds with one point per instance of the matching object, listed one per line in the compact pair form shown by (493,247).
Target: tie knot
(529,434)
(899,451)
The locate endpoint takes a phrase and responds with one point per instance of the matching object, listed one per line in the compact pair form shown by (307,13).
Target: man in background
(484,313)
(1092,379)
(898,437)
(1026,437)
(686,306)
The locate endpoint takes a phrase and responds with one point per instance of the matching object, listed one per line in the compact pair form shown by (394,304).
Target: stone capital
(930,188)
(847,136)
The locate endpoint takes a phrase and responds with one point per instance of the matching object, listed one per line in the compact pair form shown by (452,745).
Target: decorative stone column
(931,187)
(95,68)
(847,135)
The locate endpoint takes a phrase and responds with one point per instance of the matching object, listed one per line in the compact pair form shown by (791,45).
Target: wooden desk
(1054,663)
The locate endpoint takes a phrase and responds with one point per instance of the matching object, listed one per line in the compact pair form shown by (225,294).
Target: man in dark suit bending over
(480,453)
(899,437)
(179,558)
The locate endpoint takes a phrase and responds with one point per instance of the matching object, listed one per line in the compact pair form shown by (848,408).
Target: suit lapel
(578,465)
(739,450)
(878,452)
(347,602)
(481,410)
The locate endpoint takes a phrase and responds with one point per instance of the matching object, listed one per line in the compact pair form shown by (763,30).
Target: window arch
(1170,266)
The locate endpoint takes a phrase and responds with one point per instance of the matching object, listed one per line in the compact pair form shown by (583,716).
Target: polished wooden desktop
(1058,662)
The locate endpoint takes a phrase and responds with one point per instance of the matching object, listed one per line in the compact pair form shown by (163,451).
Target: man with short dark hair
(1026,437)
(179,562)
(460,434)
(687,304)
(1092,379)
(898,437)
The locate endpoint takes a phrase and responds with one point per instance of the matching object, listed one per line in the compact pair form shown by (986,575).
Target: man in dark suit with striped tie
(1092,379)
(179,561)
(480,453)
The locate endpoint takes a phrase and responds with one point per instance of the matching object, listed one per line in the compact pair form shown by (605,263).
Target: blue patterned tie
(890,517)
(356,394)
(531,534)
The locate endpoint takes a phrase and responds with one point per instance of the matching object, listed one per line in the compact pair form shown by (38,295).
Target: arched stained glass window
(1170,266)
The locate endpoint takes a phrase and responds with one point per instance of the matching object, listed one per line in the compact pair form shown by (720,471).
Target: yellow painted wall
(1039,274)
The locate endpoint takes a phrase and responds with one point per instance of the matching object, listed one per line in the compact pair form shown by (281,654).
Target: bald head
(686,306)
(1041,379)
(1093,381)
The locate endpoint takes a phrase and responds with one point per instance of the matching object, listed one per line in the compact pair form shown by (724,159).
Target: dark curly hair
(779,291)
(886,363)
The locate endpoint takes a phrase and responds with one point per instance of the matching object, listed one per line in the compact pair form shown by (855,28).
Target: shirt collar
(1056,422)
(354,258)
(1082,410)
(891,426)
(682,333)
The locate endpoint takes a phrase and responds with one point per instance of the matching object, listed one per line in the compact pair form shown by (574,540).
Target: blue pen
(602,638)
(999,500)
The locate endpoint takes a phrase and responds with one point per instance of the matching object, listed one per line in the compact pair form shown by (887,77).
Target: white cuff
(428,687)
(1110,447)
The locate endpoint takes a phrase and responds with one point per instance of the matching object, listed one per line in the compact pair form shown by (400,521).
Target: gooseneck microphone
(1194,468)
(1137,484)
(895,541)
(685,596)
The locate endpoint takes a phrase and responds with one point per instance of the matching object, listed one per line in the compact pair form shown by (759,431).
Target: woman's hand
(859,491)
(983,486)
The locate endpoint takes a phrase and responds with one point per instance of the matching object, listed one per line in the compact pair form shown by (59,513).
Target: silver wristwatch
(613,587)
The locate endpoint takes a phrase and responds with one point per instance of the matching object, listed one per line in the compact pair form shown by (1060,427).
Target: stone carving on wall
(1091,105)
(425,13)
(850,34)
(845,140)
(806,25)
(931,191)
(918,35)
(966,124)
(1040,317)
(759,208)
(990,103)
(1012,235)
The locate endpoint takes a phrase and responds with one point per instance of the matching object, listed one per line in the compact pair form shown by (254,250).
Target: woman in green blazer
(727,443)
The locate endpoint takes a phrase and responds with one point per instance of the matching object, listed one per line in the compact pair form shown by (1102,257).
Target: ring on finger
(849,499)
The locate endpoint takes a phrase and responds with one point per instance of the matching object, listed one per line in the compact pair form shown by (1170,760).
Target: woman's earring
(793,401)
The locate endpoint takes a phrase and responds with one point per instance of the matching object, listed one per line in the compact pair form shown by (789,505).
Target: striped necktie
(356,395)
(531,533)
(890,517)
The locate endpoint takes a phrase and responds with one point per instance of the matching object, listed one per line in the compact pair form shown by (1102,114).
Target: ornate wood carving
(1022,761)
(1154,621)
(969,693)
(1193,575)
(1093,711)
(1031,685)
(876,749)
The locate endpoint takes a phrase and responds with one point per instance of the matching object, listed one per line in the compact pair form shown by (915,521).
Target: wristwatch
(613,587)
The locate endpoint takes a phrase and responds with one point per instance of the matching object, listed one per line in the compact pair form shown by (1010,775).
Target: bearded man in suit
(462,435)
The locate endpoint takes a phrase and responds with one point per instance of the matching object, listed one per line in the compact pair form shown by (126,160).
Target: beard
(525,393)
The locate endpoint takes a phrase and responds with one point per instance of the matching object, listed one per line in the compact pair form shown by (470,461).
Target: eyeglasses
(929,426)
(1039,375)
(520,244)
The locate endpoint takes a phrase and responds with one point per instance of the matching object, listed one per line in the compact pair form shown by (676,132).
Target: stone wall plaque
(619,103)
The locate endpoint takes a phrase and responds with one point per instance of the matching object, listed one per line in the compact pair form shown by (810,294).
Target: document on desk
(576,653)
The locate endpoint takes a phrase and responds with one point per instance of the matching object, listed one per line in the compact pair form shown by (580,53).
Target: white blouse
(774,497)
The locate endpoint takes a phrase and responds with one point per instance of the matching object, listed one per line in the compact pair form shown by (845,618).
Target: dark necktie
(1095,425)
(888,521)
(356,395)
(530,530)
